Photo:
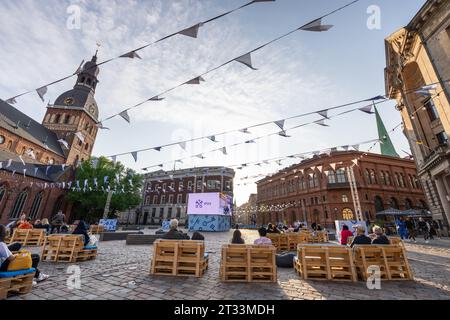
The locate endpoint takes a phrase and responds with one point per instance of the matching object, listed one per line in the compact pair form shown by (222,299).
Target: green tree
(90,188)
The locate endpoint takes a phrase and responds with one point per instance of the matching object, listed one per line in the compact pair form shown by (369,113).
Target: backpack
(285,260)
(21,262)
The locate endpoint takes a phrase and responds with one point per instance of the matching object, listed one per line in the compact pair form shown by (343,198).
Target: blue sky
(303,72)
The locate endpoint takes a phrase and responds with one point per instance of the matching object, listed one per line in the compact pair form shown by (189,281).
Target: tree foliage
(90,199)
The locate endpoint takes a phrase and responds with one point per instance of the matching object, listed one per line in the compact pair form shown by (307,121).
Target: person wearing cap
(361,237)
(380,237)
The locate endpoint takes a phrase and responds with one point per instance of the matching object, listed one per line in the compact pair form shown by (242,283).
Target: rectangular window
(164,186)
(163,200)
(431,109)
(190,185)
(169,213)
(211,184)
(442,137)
(170,199)
(228,185)
(161,212)
(172,186)
(180,198)
(155,199)
(153,212)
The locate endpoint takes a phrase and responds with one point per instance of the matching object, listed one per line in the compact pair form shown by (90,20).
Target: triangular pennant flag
(356,147)
(157,148)
(245,130)
(85,183)
(11,101)
(80,136)
(182,144)
(41,92)
(155,98)
(425,93)
(64,143)
(345,148)
(131,54)
(376,98)
(430,87)
(250,141)
(134,154)
(79,69)
(9,163)
(279,162)
(196,80)
(316,26)
(100,126)
(114,158)
(367,109)
(323,113)
(224,150)
(247,60)
(124,114)
(21,159)
(160,165)
(283,134)
(200,156)
(321,123)
(191,31)
(212,138)
(280,123)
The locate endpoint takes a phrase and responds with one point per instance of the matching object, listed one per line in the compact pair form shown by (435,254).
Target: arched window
(316,180)
(402,180)
(2,192)
(367,176)
(394,203)
(379,206)
(331,177)
(341,177)
(57,118)
(408,204)
(86,146)
(382,178)
(373,177)
(388,179)
(19,205)
(396,179)
(347,214)
(344,198)
(36,205)
(311,180)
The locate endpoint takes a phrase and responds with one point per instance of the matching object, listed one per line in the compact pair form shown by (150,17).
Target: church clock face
(69,101)
(92,110)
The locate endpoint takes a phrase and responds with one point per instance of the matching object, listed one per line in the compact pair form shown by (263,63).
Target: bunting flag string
(280,123)
(245,58)
(190,31)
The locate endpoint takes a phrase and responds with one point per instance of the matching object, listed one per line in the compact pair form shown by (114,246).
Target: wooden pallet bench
(16,282)
(96,229)
(248,263)
(390,259)
(28,237)
(279,240)
(67,248)
(179,258)
(325,263)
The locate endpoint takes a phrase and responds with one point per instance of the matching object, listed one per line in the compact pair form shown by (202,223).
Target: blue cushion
(90,247)
(10,274)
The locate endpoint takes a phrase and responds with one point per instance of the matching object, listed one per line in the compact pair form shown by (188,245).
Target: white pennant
(182,144)
(35,171)
(79,69)
(134,154)
(323,113)
(247,60)
(21,159)
(356,147)
(131,54)
(316,26)
(280,123)
(191,31)
(24,172)
(196,80)
(124,114)
(100,126)
(41,92)
(80,136)
(9,163)
(46,170)
(345,148)
(64,143)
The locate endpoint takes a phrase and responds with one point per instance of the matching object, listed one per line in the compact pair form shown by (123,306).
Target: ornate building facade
(165,194)
(418,55)
(35,157)
(318,190)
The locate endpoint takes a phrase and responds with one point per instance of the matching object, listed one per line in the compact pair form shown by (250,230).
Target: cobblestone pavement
(122,272)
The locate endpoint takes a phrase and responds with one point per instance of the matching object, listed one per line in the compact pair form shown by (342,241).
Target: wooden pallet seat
(96,229)
(28,237)
(67,248)
(179,258)
(248,263)
(16,282)
(391,261)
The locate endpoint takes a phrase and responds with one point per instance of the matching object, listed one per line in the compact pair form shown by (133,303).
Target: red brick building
(35,158)
(165,194)
(317,189)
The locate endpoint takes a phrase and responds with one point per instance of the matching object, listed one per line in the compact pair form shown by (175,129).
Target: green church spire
(387,148)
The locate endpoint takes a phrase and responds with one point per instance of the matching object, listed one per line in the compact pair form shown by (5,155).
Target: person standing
(58,222)
(345,234)
(411,229)
(401,224)
(423,227)
(437,228)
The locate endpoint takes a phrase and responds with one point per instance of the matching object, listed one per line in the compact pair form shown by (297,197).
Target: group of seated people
(57,224)
(175,234)
(378,236)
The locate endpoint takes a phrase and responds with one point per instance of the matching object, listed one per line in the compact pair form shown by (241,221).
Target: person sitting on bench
(361,237)
(6,257)
(237,238)
(263,240)
(380,237)
(173,233)
(82,228)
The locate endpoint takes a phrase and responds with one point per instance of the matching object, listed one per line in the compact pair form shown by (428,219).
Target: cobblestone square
(122,272)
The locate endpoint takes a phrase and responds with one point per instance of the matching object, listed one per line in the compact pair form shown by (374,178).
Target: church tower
(74,115)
